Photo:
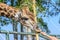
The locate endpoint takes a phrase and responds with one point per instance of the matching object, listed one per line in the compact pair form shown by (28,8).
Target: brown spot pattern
(7,11)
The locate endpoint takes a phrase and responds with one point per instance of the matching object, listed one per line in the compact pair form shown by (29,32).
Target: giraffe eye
(24,18)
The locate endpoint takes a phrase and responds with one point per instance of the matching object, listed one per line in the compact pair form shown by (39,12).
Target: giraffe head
(27,18)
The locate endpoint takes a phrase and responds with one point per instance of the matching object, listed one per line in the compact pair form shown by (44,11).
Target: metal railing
(19,33)
(24,33)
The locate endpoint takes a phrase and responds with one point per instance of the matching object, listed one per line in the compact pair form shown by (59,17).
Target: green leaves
(4,1)
(39,5)
(4,21)
(43,25)
(1,0)
(40,20)
(12,2)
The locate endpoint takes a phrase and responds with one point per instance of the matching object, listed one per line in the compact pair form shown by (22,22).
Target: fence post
(22,36)
(37,36)
(29,36)
(15,29)
(7,36)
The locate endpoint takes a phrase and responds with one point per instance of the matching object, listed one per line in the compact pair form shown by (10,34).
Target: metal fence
(25,33)
(19,33)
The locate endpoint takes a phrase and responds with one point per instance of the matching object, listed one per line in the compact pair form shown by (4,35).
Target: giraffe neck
(8,11)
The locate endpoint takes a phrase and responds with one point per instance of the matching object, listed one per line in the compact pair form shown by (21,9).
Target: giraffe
(14,13)
(24,16)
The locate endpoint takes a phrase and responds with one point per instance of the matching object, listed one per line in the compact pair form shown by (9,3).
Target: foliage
(43,25)
(4,21)
(29,3)
(1,0)
(39,5)
(50,6)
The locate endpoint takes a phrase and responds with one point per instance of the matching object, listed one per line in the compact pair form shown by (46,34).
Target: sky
(52,23)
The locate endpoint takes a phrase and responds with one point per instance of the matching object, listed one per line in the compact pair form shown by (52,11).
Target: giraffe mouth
(31,25)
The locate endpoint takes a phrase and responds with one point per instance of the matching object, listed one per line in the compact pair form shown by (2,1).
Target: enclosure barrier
(24,33)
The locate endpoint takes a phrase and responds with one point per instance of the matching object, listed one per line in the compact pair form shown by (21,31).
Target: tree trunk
(34,11)
(15,29)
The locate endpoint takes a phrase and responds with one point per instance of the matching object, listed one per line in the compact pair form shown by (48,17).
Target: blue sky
(52,23)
